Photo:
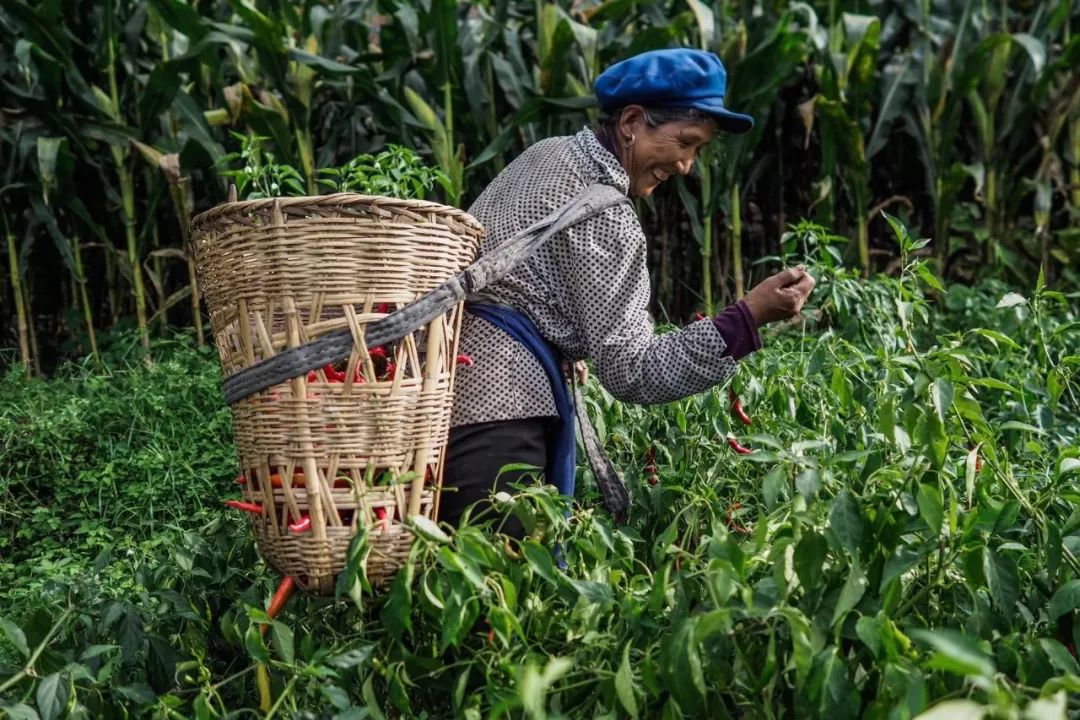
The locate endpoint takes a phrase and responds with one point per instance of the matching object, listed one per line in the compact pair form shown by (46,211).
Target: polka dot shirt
(587,290)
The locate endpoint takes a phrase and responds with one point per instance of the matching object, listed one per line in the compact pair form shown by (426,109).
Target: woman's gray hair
(655,117)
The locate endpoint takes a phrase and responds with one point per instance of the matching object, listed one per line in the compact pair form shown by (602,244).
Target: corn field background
(959,117)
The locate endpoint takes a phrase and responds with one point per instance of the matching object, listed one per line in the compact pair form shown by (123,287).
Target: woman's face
(655,154)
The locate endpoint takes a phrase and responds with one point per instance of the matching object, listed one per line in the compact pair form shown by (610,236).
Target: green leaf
(256,647)
(955,652)
(426,528)
(1000,571)
(931,507)
(52,696)
(282,637)
(928,277)
(954,710)
(902,559)
(810,556)
(624,684)
(941,395)
(1035,48)
(15,634)
(1017,425)
(539,560)
(1011,300)
(18,711)
(1068,465)
(808,483)
(1054,707)
(846,521)
(775,486)
(371,703)
(802,642)
(1066,598)
(706,23)
(997,337)
(1059,656)
(852,592)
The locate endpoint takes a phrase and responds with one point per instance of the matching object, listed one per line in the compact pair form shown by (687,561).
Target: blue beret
(675,78)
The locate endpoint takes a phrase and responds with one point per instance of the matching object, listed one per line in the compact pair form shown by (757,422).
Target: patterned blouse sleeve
(604,263)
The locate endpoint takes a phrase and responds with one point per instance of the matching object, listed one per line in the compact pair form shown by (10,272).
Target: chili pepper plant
(901,541)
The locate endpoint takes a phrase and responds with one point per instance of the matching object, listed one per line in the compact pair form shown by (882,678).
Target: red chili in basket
(301,525)
(737,447)
(464,360)
(358,375)
(737,408)
(245,506)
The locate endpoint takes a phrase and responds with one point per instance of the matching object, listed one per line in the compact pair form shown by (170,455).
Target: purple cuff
(736,326)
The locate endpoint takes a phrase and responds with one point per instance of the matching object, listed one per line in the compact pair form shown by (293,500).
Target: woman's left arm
(607,289)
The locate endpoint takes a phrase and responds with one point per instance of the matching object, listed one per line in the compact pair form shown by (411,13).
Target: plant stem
(16,289)
(127,187)
(736,241)
(705,169)
(28,669)
(35,354)
(88,315)
(281,698)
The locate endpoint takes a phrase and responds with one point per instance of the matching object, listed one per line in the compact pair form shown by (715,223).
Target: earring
(630,142)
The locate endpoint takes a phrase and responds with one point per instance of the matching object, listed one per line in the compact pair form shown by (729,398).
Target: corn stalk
(17,291)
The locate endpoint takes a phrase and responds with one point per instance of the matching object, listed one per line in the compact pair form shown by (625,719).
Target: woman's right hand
(781,296)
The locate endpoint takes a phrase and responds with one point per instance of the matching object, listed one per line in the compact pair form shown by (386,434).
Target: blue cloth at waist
(562,455)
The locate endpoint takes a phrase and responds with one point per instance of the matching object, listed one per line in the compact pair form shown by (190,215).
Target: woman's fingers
(582,372)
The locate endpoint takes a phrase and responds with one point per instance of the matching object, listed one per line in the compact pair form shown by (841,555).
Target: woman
(585,294)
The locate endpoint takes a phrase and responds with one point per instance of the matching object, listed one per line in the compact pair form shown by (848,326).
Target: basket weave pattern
(371,433)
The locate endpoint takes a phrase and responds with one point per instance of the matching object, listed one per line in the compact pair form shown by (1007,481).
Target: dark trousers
(477,452)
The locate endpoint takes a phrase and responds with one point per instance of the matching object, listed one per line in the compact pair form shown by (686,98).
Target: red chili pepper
(281,596)
(382,307)
(464,360)
(358,375)
(378,351)
(302,525)
(333,374)
(737,408)
(241,480)
(737,447)
(245,506)
(978,464)
(297,480)
(490,632)
(389,372)
(732,524)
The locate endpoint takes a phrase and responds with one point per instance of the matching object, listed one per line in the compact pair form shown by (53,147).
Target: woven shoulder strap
(489,268)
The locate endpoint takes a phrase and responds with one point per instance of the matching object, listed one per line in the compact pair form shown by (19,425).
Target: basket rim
(334,199)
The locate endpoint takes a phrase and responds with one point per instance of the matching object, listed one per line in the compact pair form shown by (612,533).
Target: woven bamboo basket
(358,444)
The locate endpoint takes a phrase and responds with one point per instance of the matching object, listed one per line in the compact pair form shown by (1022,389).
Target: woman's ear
(631,124)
